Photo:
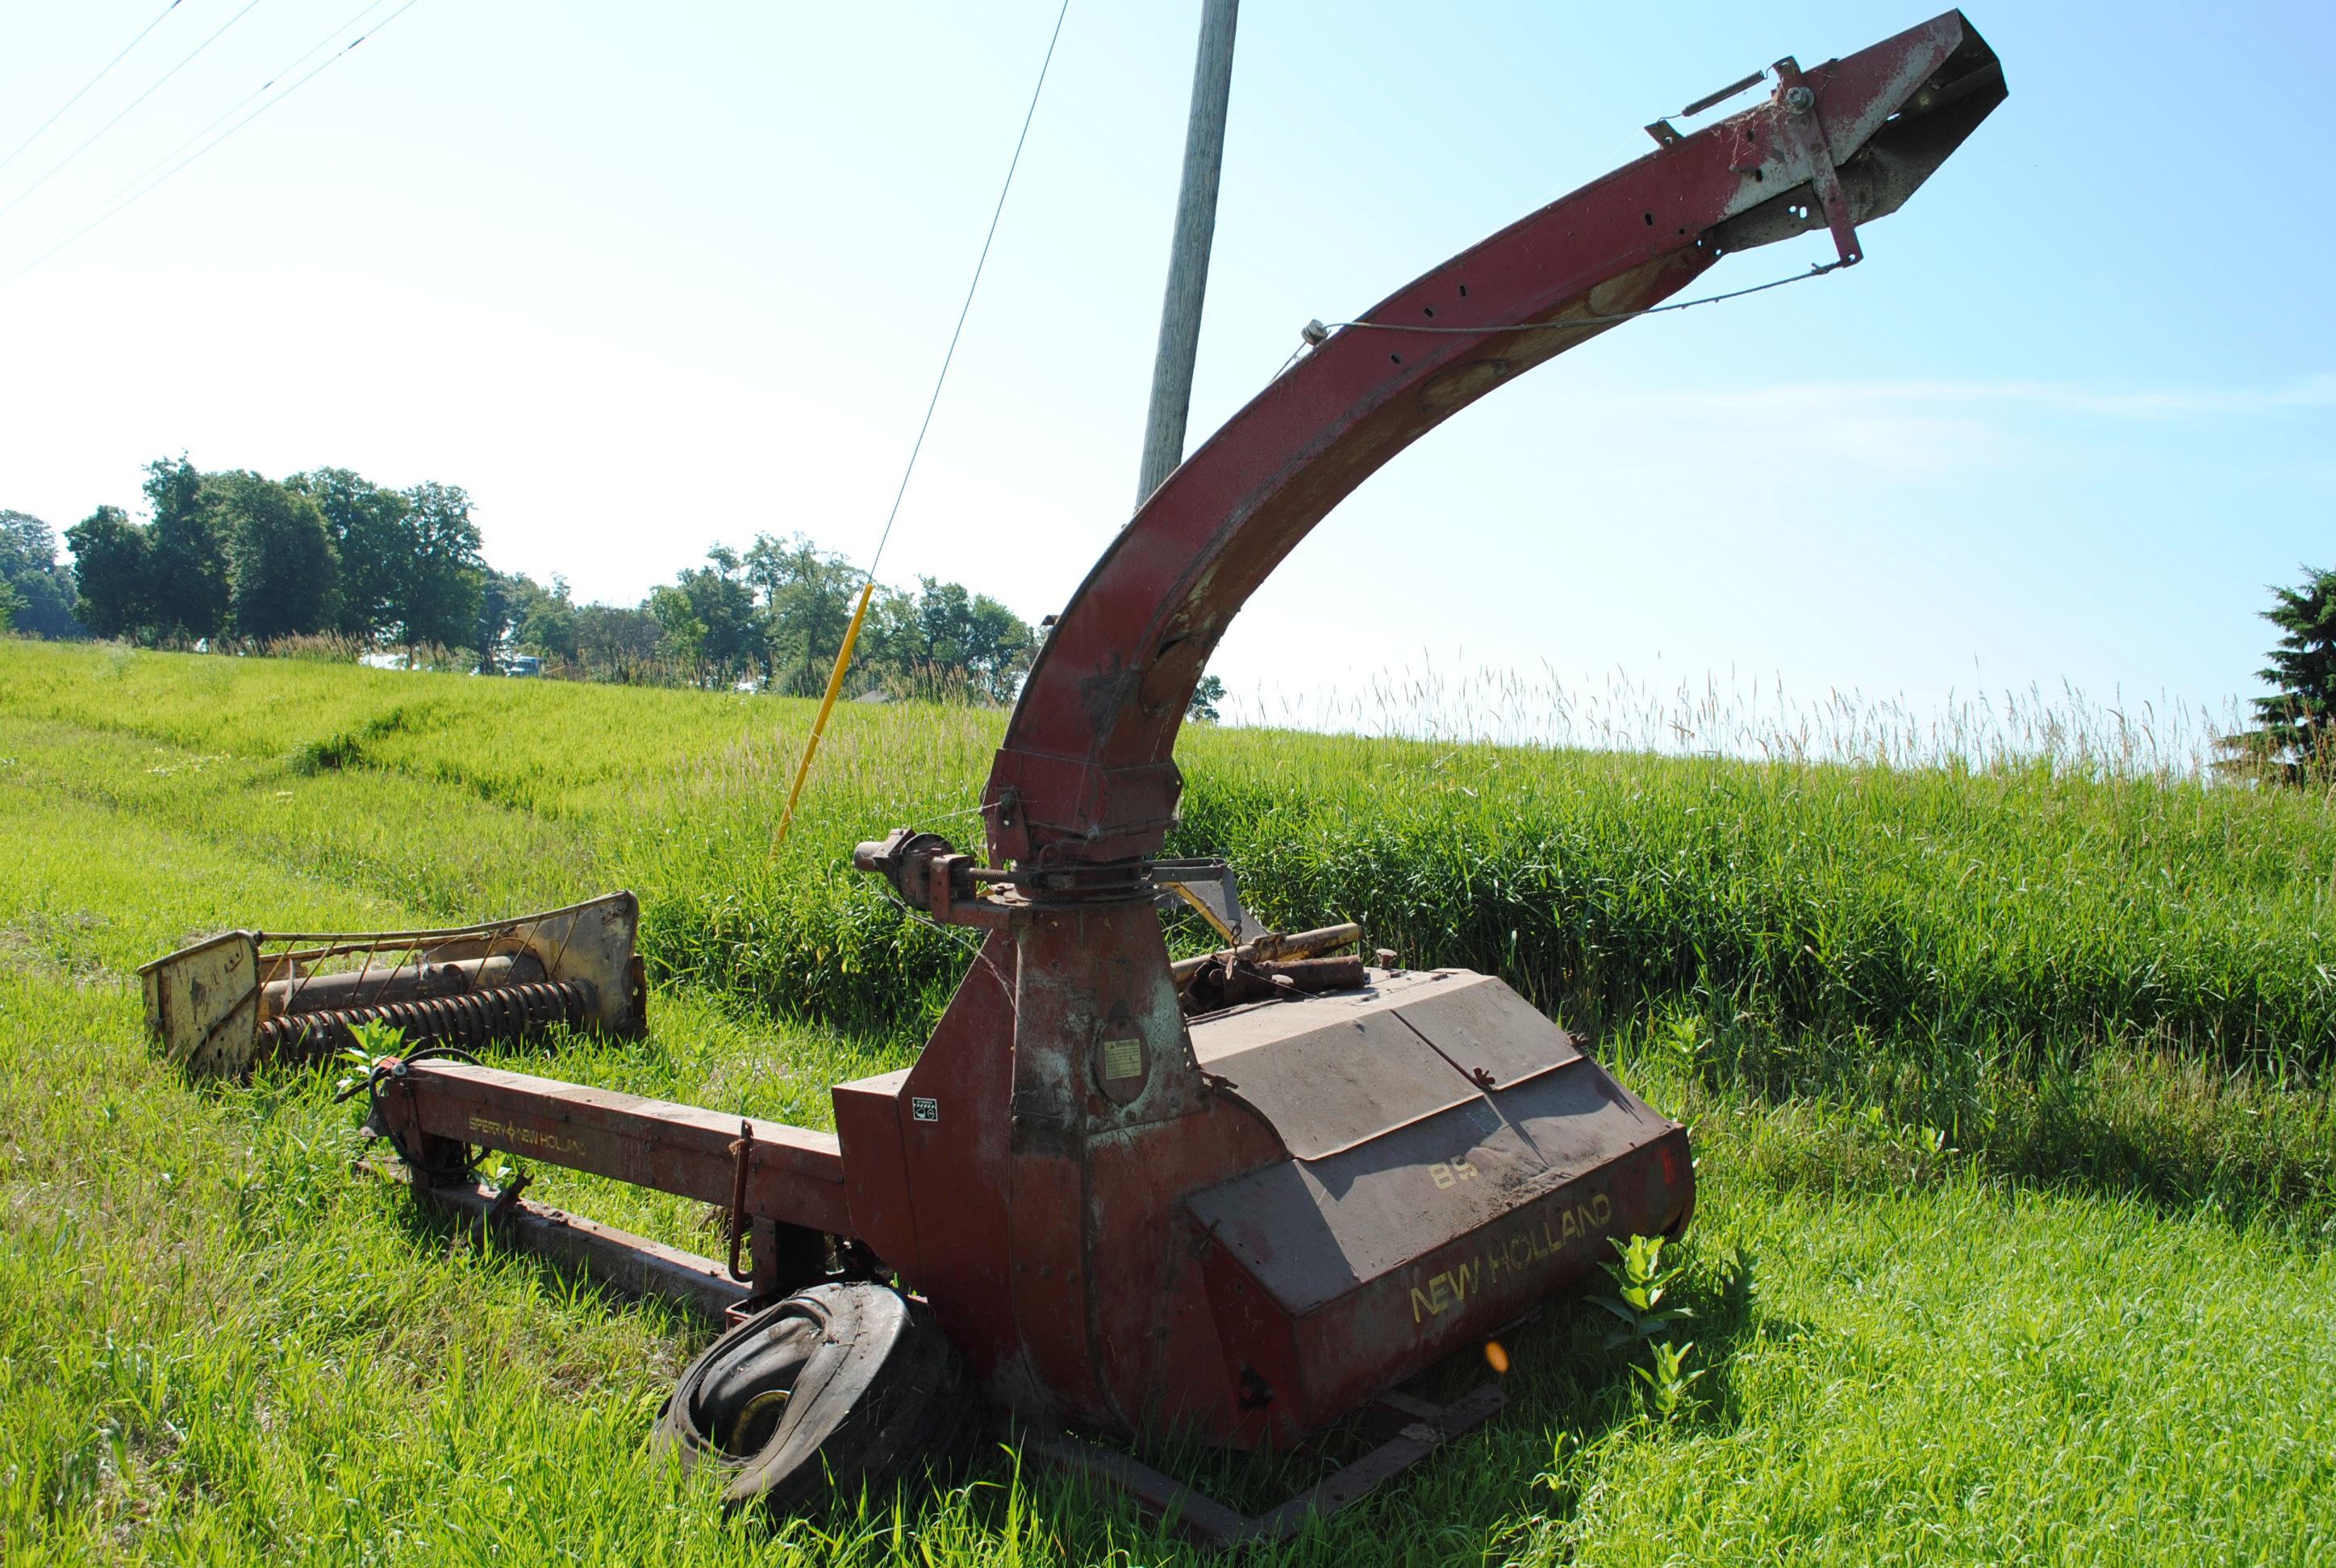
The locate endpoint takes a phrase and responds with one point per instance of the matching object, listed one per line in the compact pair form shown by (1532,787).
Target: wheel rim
(745,1390)
(844,1382)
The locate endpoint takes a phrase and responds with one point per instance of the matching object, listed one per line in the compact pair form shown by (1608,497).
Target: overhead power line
(134,104)
(92,82)
(129,195)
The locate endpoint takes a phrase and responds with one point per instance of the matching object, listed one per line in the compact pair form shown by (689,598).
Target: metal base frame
(634,1265)
(1422,1428)
(637,1266)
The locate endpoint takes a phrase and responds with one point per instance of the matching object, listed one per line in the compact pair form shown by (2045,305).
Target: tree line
(777,614)
(37,592)
(233,555)
(330,560)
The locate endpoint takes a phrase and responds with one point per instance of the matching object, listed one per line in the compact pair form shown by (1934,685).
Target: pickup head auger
(1244,1196)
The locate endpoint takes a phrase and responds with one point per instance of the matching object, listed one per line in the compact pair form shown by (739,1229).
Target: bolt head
(1799,99)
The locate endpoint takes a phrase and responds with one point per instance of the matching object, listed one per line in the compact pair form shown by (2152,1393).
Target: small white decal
(1122,1059)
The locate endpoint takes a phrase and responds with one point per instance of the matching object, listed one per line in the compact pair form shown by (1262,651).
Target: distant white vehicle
(524,665)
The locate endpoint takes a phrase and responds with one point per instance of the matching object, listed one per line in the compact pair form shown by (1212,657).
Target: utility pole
(1188,253)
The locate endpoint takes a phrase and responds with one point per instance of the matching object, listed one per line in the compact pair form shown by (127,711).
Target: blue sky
(645,277)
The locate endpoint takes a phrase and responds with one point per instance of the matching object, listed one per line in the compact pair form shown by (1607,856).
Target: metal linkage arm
(793,1176)
(1085,773)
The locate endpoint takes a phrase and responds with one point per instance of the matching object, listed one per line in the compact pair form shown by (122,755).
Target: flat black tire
(849,1383)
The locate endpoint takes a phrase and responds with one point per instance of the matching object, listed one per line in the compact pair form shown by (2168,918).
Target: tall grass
(2018,899)
(2120,738)
(2075,886)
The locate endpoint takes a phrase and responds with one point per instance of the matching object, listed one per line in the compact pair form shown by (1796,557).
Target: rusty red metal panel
(954,1119)
(795,1175)
(1070,1119)
(1052,1371)
(1100,1052)
(1343,1348)
(1137,1147)
(1394,1327)
(868,1114)
(1491,1034)
(1259,1385)
(1156,1343)
(1330,1074)
(1312,1231)
(1326,1246)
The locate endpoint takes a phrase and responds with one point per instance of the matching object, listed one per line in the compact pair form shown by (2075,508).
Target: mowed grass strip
(217,1344)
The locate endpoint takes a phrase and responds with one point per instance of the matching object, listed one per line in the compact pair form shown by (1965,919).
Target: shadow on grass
(1570,1388)
(1857,1111)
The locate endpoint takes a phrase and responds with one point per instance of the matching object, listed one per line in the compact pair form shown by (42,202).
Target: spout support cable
(1314,331)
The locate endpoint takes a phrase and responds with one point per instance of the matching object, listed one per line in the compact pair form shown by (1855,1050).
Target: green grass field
(2011,1089)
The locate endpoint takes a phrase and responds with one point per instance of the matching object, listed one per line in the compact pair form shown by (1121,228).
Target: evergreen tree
(1203,706)
(2291,730)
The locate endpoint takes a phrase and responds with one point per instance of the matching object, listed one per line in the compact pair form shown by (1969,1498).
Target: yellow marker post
(819,725)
